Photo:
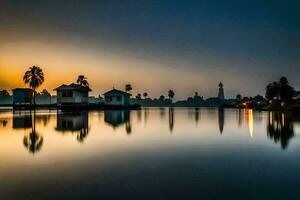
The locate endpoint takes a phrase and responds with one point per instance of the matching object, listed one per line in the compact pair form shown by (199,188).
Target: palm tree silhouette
(145,94)
(34,141)
(82,80)
(171,94)
(128,87)
(34,77)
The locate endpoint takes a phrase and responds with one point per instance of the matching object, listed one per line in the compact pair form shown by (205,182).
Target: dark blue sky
(243,43)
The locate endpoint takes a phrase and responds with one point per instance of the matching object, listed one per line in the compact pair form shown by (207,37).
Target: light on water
(172,153)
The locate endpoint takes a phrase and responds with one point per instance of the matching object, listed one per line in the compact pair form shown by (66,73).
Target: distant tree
(272,91)
(286,92)
(161,98)
(298,94)
(82,80)
(138,96)
(171,94)
(34,77)
(128,87)
(238,97)
(280,90)
(4,93)
(145,94)
(45,93)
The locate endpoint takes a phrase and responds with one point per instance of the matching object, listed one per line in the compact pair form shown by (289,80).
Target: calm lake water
(154,153)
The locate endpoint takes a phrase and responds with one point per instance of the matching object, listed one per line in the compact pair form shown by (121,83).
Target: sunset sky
(186,46)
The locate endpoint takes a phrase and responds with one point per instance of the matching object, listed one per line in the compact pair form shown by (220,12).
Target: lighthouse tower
(221,91)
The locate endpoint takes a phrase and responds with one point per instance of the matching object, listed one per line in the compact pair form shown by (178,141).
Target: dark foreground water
(149,154)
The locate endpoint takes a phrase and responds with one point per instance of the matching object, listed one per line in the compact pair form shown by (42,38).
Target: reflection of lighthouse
(221,91)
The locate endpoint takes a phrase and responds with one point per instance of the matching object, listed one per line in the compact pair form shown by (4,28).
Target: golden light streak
(282,119)
(250,122)
(271,118)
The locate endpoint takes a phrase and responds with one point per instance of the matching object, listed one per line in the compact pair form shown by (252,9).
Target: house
(116,97)
(22,96)
(72,94)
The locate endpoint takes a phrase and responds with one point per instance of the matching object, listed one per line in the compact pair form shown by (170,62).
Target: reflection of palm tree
(139,115)
(4,123)
(146,114)
(34,77)
(34,141)
(171,119)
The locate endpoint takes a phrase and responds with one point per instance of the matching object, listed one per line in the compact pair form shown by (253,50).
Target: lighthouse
(221,91)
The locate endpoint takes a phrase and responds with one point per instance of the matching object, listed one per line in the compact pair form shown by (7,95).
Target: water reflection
(221,120)
(197,115)
(280,128)
(75,122)
(116,118)
(171,119)
(162,113)
(22,120)
(34,140)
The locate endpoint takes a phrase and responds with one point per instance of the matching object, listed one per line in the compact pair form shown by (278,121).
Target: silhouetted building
(221,91)
(116,97)
(72,94)
(22,95)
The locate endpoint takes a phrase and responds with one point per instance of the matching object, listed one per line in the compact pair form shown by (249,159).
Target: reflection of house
(171,119)
(72,94)
(72,121)
(116,97)
(22,95)
(116,117)
(22,121)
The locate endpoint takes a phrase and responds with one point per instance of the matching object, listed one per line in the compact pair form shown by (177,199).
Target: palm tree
(82,80)
(138,96)
(128,87)
(171,94)
(145,94)
(34,77)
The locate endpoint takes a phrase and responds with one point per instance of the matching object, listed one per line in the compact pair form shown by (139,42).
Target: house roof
(73,86)
(115,91)
(23,89)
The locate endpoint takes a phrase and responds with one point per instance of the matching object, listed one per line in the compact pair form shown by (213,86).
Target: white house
(116,97)
(72,94)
